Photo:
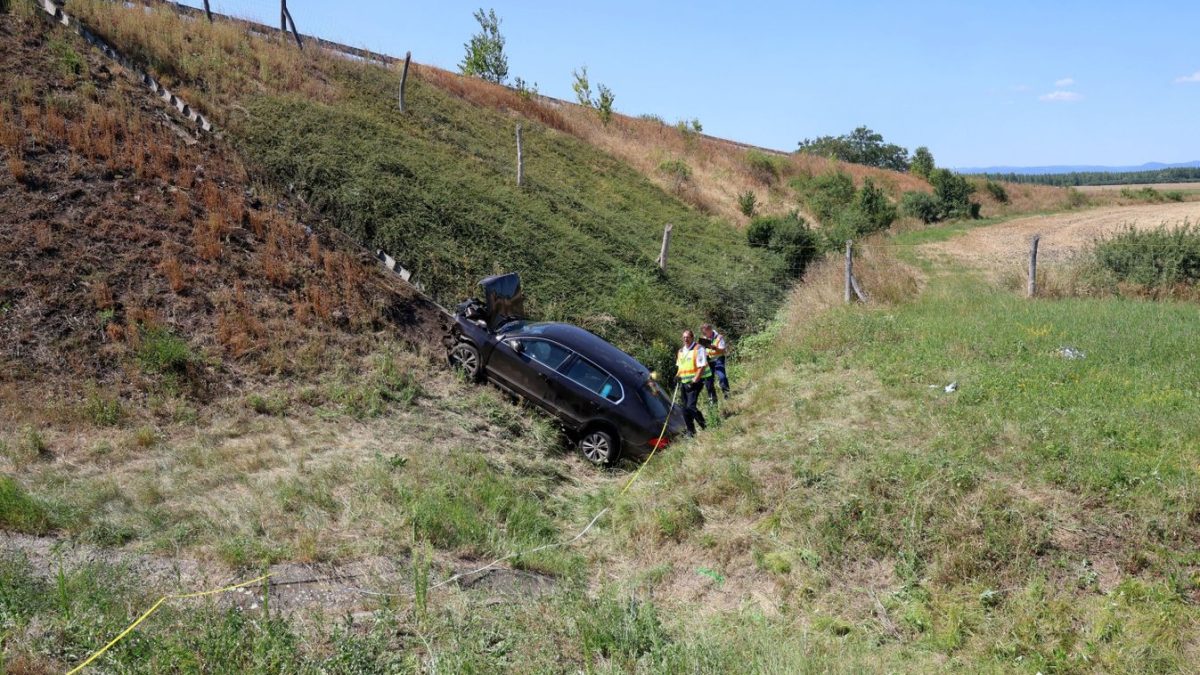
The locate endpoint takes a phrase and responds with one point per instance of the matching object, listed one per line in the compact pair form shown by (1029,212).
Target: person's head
(706,330)
(688,338)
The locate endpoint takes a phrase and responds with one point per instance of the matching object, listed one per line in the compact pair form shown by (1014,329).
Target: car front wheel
(599,446)
(465,358)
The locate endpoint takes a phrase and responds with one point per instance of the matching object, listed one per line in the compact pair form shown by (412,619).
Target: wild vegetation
(1079,178)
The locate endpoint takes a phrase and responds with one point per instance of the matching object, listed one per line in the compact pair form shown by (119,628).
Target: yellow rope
(154,608)
(657,443)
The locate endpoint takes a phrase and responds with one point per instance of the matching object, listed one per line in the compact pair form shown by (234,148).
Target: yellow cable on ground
(658,443)
(154,608)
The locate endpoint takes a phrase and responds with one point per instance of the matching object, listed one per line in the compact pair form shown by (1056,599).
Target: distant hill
(1041,170)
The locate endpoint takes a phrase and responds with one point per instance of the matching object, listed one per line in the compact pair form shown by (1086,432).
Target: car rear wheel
(599,446)
(465,358)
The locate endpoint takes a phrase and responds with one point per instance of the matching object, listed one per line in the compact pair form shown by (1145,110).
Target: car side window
(547,353)
(594,379)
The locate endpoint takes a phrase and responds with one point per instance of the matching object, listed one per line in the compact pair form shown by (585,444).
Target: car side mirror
(516,345)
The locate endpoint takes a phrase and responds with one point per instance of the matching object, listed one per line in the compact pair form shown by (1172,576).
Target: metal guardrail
(56,13)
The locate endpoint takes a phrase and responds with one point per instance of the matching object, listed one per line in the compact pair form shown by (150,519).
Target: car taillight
(658,443)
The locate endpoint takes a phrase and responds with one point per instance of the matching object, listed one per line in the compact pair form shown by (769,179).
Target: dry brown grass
(172,269)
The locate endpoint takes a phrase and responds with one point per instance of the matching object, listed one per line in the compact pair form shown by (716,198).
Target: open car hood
(504,298)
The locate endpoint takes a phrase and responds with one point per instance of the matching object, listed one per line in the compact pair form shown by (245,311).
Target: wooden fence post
(849,271)
(404,78)
(285,18)
(666,246)
(1033,248)
(208,11)
(520,159)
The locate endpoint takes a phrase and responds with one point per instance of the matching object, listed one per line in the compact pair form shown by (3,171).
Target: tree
(861,146)
(953,192)
(604,103)
(922,163)
(485,56)
(583,88)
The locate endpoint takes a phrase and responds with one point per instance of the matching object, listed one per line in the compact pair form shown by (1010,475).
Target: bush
(604,103)
(1152,258)
(760,231)
(953,193)
(1076,198)
(163,352)
(747,202)
(873,205)
(765,168)
(997,191)
(828,194)
(790,236)
(920,205)
(677,170)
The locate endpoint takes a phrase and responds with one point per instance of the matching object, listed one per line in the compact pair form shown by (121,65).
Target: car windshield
(655,398)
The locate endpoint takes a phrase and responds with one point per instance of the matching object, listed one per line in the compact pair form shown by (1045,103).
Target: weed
(1158,258)
(275,404)
(22,513)
(161,351)
(747,203)
(103,409)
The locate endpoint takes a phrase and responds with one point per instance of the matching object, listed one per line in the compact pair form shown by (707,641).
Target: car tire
(599,446)
(464,357)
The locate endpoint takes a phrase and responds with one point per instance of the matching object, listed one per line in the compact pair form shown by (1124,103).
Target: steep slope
(435,185)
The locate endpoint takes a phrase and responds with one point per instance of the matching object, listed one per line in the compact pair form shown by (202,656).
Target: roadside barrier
(57,14)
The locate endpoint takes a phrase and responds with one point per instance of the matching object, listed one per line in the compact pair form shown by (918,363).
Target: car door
(587,392)
(528,365)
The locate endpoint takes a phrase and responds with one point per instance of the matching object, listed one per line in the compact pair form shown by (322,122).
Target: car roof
(585,342)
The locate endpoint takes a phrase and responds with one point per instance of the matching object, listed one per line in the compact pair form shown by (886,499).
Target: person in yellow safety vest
(716,347)
(691,363)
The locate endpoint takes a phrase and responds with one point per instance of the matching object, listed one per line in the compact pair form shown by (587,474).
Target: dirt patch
(1063,235)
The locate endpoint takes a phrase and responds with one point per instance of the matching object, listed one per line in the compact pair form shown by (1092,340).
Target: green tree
(878,213)
(953,193)
(604,103)
(922,163)
(861,146)
(485,56)
(583,88)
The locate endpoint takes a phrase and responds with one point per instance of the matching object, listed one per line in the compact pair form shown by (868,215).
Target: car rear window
(546,352)
(598,381)
(655,398)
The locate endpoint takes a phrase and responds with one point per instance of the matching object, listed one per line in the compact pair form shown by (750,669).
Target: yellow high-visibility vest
(718,346)
(685,364)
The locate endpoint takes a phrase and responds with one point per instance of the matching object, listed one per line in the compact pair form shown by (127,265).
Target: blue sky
(980,83)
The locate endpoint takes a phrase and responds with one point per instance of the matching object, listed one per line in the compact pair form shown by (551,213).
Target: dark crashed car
(608,402)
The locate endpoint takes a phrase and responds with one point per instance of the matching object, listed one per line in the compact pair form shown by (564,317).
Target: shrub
(677,170)
(920,205)
(103,410)
(789,236)
(1173,196)
(765,168)
(1153,258)
(828,194)
(747,202)
(874,207)
(1076,198)
(953,193)
(760,231)
(163,352)
(997,191)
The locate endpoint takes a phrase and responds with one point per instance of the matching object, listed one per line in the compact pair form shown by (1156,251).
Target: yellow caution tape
(154,608)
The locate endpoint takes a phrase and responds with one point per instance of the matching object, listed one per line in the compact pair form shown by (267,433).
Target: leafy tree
(922,163)
(953,193)
(485,56)
(583,88)
(604,103)
(747,202)
(861,146)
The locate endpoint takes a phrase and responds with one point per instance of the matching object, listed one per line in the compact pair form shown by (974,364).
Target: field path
(1006,244)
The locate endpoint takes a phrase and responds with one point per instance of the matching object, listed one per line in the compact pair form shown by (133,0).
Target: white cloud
(1060,97)
(1194,78)
(1065,82)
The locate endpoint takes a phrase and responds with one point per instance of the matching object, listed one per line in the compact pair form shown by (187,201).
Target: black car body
(607,401)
